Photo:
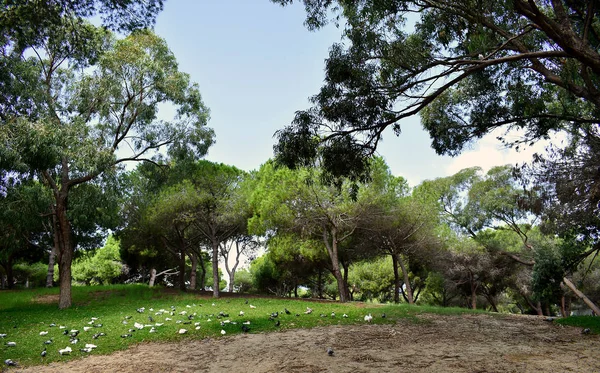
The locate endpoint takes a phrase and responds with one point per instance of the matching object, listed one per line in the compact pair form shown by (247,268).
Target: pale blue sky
(257,64)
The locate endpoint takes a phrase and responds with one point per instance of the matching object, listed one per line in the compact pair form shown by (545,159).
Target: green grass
(584,322)
(23,317)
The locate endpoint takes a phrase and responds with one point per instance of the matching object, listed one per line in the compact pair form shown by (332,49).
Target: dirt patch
(46,299)
(468,343)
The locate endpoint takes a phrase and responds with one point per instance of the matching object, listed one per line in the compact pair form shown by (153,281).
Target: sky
(256,65)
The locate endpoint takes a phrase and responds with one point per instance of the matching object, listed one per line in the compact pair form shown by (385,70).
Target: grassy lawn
(24,314)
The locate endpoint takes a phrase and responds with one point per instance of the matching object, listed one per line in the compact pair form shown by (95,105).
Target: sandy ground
(469,343)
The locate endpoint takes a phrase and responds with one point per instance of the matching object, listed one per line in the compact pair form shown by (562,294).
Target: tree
(466,67)
(298,202)
(237,246)
(93,118)
(220,211)
(104,267)
(22,232)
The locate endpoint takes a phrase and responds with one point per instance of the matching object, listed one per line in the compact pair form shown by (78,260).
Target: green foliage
(243,282)
(373,280)
(32,274)
(467,68)
(103,268)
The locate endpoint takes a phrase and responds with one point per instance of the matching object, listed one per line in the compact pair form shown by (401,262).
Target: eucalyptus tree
(221,212)
(23,235)
(94,119)
(299,202)
(466,67)
(472,203)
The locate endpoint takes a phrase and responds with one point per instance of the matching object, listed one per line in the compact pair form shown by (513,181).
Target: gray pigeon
(329,351)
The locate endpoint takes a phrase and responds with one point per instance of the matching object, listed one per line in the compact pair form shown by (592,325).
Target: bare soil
(468,343)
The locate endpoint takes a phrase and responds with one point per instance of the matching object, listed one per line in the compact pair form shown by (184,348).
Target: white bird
(196,323)
(209,320)
(178,322)
(11,344)
(308,310)
(168,319)
(246,323)
(91,322)
(151,310)
(368,318)
(86,328)
(65,351)
(345,316)
(94,318)
(159,324)
(188,306)
(481,56)
(138,325)
(223,332)
(3,335)
(182,312)
(251,306)
(43,333)
(89,345)
(241,313)
(198,327)
(10,363)
(74,341)
(333,314)
(213,304)
(152,330)
(182,331)
(88,350)
(62,327)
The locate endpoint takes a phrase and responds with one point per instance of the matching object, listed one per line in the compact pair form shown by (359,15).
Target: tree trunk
(396,279)
(202,267)
(10,281)
(563,309)
(409,292)
(152,277)
(52,261)
(193,279)
(473,295)
(231,279)
(66,249)
(332,249)
(215,267)
(182,270)
(582,296)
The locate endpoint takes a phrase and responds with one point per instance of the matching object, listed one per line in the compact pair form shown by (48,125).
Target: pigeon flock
(62,341)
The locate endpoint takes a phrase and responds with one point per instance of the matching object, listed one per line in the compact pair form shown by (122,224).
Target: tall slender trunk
(202,267)
(193,279)
(332,249)
(10,281)
(215,267)
(66,249)
(582,296)
(409,292)
(152,277)
(52,256)
(473,293)
(182,270)
(396,279)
